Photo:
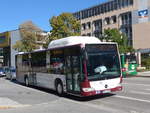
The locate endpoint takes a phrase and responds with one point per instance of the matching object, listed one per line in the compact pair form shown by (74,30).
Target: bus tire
(26,81)
(59,88)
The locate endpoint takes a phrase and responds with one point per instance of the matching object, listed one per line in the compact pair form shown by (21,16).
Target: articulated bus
(77,65)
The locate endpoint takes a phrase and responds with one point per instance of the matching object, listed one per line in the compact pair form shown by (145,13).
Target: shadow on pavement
(90,98)
(69,96)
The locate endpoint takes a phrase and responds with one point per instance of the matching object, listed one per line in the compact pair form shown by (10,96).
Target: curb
(131,76)
(10,107)
(142,76)
(5,107)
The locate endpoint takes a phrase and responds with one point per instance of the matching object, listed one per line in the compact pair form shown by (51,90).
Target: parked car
(2,72)
(11,74)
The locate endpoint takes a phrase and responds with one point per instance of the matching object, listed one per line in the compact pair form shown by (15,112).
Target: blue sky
(15,12)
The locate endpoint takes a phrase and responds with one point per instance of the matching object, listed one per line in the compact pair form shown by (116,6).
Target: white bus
(77,65)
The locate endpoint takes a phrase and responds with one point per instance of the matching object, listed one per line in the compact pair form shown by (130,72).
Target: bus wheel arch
(59,87)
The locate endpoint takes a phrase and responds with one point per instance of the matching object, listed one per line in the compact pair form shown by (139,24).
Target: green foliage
(18,46)
(64,25)
(27,43)
(114,35)
(146,62)
(31,37)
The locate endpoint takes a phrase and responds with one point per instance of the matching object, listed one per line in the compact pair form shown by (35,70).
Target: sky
(15,12)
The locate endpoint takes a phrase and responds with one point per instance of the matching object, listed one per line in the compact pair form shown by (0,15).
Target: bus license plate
(106,91)
(98,92)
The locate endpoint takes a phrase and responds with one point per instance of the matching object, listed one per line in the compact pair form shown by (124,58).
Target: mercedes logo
(106,86)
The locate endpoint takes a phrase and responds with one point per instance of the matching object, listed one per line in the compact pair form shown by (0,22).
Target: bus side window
(56,64)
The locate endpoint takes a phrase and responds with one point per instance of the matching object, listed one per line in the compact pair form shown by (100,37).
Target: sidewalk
(6,103)
(143,74)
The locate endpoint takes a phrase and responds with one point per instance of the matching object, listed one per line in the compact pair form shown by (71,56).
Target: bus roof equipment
(73,40)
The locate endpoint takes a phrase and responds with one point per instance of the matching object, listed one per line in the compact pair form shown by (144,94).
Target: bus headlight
(88,89)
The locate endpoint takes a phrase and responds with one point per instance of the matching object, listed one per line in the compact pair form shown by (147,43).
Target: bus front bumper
(101,92)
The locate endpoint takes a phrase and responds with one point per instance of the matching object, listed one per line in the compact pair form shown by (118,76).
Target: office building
(131,17)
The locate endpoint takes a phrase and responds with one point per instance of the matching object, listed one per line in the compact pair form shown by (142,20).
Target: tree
(30,34)
(64,25)
(18,46)
(114,35)
(27,43)
(29,26)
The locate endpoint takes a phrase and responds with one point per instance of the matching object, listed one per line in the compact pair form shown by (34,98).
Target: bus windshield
(102,61)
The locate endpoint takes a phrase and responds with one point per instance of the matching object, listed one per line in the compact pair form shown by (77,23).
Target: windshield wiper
(105,77)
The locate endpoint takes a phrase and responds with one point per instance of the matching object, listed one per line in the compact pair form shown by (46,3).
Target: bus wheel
(26,81)
(59,89)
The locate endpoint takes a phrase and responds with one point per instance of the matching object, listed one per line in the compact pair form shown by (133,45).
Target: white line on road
(88,104)
(139,92)
(136,84)
(147,72)
(6,103)
(147,89)
(131,98)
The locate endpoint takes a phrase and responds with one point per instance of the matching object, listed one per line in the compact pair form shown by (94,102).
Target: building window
(98,28)
(107,21)
(82,14)
(114,19)
(103,8)
(126,3)
(111,6)
(89,25)
(126,26)
(98,25)
(95,11)
(130,2)
(98,10)
(83,26)
(126,18)
(86,13)
(89,34)
(123,3)
(92,10)
(115,5)
(83,34)
(119,4)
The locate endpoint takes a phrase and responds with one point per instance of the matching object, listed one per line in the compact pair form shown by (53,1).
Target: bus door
(73,74)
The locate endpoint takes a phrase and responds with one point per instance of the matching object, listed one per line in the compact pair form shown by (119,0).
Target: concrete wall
(15,36)
(141,25)
(141,35)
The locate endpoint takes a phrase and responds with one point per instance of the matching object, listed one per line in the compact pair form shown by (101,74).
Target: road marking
(46,103)
(131,98)
(138,92)
(147,72)
(147,89)
(6,103)
(13,106)
(100,107)
(136,84)
(5,107)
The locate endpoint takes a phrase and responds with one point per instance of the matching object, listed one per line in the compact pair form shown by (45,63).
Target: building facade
(9,38)
(131,17)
